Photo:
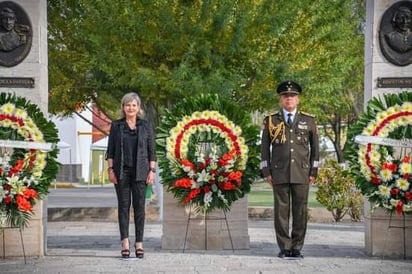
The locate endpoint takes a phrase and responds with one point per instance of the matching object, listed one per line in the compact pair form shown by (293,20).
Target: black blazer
(145,148)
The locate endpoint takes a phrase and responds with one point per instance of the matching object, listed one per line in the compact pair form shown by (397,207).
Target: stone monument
(186,230)
(388,69)
(24,71)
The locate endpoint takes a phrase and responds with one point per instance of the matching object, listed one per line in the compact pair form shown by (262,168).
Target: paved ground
(93,247)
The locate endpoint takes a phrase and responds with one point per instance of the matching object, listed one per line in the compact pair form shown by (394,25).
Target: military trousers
(290,199)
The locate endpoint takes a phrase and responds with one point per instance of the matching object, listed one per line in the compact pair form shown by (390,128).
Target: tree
(166,50)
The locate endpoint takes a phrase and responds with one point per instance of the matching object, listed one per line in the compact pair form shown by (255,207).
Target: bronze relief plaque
(15,34)
(395,33)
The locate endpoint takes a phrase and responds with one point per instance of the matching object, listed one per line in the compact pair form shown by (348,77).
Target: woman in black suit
(131,159)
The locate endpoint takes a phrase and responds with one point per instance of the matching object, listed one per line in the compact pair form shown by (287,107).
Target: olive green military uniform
(290,154)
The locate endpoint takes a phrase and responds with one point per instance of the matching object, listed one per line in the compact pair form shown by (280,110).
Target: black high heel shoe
(125,253)
(139,253)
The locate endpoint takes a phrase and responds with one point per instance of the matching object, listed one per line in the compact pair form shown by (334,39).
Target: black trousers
(128,190)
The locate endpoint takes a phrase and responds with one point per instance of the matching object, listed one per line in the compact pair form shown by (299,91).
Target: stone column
(388,69)
(202,233)
(24,71)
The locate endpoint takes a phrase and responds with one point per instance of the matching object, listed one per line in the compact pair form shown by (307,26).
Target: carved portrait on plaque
(395,33)
(15,34)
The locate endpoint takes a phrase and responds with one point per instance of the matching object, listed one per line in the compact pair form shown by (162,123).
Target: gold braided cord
(274,131)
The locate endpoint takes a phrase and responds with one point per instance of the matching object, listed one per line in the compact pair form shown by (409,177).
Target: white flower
(375,157)
(7,108)
(405,168)
(221,196)
(386,175)
(402,184)
(407,106)
(208,198)
(407,208)
(384,191)
(20,113)
(203,176)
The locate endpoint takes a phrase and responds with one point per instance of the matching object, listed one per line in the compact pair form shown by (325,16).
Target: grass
(261,195)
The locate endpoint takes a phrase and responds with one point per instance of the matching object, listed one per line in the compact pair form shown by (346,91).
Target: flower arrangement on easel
(27,159)
(380,152)
(208,153)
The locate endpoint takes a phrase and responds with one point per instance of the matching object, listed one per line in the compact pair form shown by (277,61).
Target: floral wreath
(383,173)
(25,172)
(207,160)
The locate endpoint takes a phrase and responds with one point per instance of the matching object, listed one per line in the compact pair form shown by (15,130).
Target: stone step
(317,215)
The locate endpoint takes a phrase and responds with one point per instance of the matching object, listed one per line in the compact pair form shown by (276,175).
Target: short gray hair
(128,97)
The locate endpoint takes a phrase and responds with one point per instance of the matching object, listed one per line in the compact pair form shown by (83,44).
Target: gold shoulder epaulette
(271,114)
(307,114)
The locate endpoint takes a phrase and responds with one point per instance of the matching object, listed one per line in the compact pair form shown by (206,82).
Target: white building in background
(75,135)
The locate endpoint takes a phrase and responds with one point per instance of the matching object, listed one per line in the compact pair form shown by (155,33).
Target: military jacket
(289,153)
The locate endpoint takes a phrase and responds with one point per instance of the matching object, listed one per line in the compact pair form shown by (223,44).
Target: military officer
(290,155)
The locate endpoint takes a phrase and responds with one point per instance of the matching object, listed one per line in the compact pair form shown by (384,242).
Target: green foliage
(167,50)
(376,117)
(234,113)
(337,192)
(23,121)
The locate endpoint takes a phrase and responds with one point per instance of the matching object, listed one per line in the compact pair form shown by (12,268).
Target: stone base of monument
(386,235)
(11,244)
(183,229)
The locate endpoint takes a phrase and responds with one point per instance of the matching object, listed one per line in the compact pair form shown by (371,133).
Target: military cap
(289,87)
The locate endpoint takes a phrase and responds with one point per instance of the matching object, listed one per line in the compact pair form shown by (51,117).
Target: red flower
(208,160)
(192,194)
(16,168)
(202,166)
(394,191)
(376,180)
(406,176)
(187,163)
(23,204)
(221,162)
(184,183)
(29,193)
(7,200)
(406,160)
(390,166)
(206,189)
(399,207)
(227,186)
(235,176)
(7,187)
(408,195)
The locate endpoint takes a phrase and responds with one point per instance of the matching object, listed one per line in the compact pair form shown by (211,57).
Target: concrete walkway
(89,246)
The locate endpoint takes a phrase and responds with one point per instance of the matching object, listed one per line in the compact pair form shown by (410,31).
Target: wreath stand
(403,227)
(5,146)
(206,218)
(3,231)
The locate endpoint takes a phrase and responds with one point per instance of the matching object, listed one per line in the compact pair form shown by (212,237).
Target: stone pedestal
(384,234)
(34,237)
(33,66)
(204,232)
(380,240)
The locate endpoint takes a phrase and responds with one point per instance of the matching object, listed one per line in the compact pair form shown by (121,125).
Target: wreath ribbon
(27,145)
(365,140)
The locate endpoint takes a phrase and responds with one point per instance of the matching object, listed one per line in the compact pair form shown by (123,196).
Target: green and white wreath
(27,164)
(379,152)
(207,152)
